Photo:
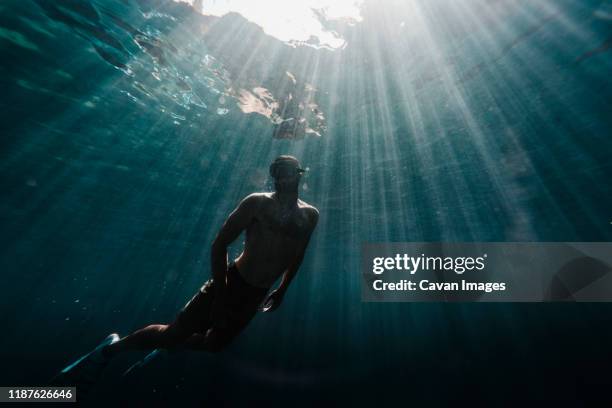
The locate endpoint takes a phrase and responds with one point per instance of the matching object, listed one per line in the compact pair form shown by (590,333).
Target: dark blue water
(131,128)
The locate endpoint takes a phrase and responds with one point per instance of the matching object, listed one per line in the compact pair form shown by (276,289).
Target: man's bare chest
(292,228)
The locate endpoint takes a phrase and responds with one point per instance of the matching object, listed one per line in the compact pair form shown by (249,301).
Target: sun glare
(290,21)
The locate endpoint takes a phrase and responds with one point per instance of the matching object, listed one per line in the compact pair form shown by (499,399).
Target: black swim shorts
(242,303)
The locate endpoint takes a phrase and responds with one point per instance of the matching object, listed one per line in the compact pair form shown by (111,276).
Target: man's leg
(216,339)
(193,318)
(86,370)
(150,337)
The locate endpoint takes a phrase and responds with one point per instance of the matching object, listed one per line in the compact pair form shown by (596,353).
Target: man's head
(286,172)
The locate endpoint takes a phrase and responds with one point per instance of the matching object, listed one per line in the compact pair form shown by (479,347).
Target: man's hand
(273,300)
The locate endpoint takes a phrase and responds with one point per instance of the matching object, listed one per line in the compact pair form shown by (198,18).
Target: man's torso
(273,240)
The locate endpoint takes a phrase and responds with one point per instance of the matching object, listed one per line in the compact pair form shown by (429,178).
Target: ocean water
(131,128)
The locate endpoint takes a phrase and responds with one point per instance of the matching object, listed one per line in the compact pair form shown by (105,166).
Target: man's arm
(293,267)
(277,295)
(235,223)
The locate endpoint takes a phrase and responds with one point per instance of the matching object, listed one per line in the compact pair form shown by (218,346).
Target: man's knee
(174,335)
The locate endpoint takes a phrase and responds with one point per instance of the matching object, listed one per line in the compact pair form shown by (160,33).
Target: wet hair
(285,160)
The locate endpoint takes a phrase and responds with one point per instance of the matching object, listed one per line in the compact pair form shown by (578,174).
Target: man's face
(286,178)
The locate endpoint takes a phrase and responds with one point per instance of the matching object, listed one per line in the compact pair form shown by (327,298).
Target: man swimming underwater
(278,228)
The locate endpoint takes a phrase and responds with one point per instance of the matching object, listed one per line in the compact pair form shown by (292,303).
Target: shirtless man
(278,228)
